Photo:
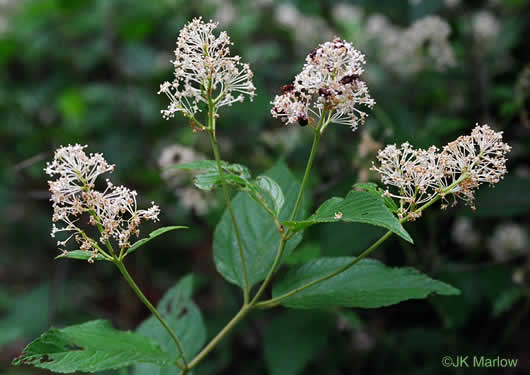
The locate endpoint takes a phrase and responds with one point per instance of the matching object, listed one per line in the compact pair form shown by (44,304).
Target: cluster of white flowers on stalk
(458,169)
(204,69)
(406,51)
(329,84)
(74,194)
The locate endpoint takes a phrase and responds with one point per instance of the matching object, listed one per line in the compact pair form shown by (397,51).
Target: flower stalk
(121,267)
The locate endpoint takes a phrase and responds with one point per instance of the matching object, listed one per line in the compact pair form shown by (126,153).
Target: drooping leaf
(258,232)
(367,284)
(293,338)
(357,207)
(183,317)
(91,347)
(152,235)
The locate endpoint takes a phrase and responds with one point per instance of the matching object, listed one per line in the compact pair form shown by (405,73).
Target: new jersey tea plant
(264,222)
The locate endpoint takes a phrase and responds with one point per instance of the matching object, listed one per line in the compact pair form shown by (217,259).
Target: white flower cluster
(425,43)
(204,69)
(329,82)
(74,194)
(458,169)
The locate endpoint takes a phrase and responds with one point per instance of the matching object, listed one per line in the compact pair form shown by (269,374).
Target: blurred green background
(87,71)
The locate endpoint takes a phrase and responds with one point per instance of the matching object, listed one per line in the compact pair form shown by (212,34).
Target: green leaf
(91,347)
(152,235)
(367,284)
(204,165)
(357,207)
(274,192)
(235,174)
(81,255)
(370,187)
(183,317)
(264,190)
(293,339)
(258,232)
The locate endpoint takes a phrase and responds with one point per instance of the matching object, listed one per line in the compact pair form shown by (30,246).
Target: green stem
(212,344)
(213,141)
(154,311)
(275,301)
(247,307)
(286,237)
(316,139)
(275,265)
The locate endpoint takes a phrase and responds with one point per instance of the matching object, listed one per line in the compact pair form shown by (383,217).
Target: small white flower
(203,69)
(74,196)
(459,169)
(329,82)
(480,155)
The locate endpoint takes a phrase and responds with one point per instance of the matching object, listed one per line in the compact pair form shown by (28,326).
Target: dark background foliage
(76,71)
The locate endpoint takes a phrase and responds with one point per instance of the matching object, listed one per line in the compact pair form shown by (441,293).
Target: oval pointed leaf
(357,207)
(91,347)
(367,284)
(258,232)
(152,235)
